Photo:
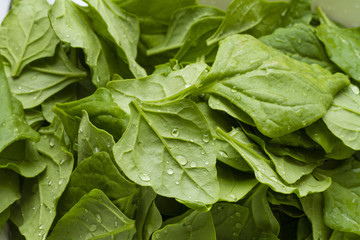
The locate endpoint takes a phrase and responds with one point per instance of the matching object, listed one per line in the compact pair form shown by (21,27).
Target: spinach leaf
(72,27)
(181,23)
(343,116)
(151,149)
(122,29)
(342,44)
(36,210)
(9,188)
(26,35)
(195,225)
(301,43)
(229,220)
(262,81)
(95,216)
(44,78)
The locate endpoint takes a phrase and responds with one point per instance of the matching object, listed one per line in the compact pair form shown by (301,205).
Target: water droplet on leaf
(144,177)
(193,164)
(175,132)
(206,138)
(170,171)
(181,159)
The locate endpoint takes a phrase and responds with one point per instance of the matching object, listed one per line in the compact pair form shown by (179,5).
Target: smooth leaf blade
(27,35)
(95,217)
(151,151)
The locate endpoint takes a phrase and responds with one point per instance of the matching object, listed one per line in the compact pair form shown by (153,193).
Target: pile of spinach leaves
(172,120)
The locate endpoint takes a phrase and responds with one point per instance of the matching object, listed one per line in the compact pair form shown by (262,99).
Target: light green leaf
(96,217)
(23,158)
(26,34)
(151,151)
(35,211)
(196,225)
(156,87)
(279,93)
(120,27)
(72,27)
(342,44)
(43,79)
(343,117)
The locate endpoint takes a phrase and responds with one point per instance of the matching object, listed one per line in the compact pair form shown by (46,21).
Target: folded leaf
(94,216)
(43,79)
(343,117)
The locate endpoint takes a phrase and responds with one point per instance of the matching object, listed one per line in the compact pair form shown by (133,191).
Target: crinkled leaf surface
(279,93)
(26,35)
(95,217)
(343,117)
(43,79)
(151,151)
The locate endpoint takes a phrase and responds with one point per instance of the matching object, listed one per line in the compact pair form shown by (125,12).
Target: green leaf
(35,211)
(194,45)
(152,148)
(9,188)
(12,120)
(301,43)
(23,158)
(332,145)
(313,205)
(92,139)
(264,169)
(279,93)
(180,25)
(245,15)
(342,45)
(196,225)
(26,34)
(102,111)
(44,78)
(343,117)
(261,222)
(341,211)
(95,217)
(343,236)
(148,217)
(120,27)
(4,216)
(229,219)
(72,27)
(234,185)
(95,172)
(156,87)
